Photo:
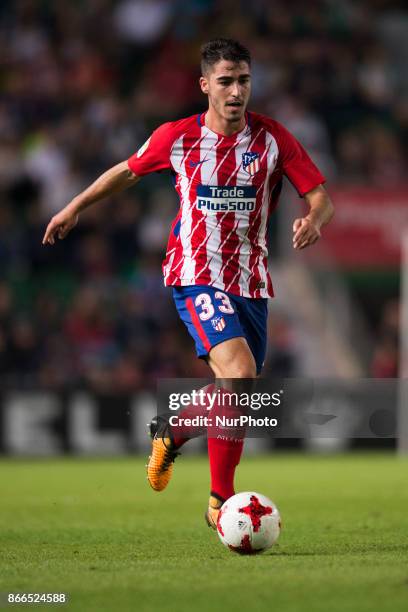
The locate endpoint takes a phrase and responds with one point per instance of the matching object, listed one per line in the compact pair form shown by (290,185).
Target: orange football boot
(160,466)
(212,514)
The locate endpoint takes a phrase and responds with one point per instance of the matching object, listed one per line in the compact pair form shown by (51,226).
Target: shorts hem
(202,354)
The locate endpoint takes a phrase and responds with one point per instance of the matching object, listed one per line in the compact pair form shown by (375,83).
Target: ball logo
(143,148)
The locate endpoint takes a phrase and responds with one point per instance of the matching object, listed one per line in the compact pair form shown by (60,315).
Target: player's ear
(204,84)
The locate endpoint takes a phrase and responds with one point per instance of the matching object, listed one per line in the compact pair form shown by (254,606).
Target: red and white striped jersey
(228,186)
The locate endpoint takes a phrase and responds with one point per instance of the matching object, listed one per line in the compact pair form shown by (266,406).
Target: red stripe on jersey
(197,324)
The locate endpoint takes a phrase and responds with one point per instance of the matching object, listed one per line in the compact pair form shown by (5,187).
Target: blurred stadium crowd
(83,83)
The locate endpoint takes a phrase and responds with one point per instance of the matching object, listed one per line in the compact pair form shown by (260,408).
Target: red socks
(225,444)
(224,456)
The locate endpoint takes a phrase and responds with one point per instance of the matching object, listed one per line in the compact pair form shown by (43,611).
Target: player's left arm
(306,230)
(298,167)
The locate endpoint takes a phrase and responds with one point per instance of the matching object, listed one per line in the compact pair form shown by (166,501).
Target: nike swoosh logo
(195,164)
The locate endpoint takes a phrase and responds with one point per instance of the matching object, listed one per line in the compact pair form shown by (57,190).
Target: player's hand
(59,226)
(305,233)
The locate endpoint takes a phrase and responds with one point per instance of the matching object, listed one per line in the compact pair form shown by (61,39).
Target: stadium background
(82,86)
(86,327)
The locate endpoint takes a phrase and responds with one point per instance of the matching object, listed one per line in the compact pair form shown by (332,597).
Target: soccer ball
(248,523)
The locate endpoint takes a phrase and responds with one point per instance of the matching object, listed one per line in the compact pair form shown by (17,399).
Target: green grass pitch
(94,529)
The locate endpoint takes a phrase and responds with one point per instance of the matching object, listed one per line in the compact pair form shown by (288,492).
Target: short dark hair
(223,49)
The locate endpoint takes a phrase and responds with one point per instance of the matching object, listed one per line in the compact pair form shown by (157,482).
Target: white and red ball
(248,523)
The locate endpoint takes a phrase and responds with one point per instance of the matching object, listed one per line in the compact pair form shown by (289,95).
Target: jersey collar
(248,121)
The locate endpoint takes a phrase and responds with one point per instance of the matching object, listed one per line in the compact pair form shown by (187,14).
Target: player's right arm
(112,181)
(153,156)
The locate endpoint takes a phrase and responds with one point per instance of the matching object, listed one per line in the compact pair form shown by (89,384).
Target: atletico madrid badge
(218,323)
(251,162)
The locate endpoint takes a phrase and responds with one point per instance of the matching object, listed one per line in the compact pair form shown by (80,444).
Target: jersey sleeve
(296,163)
(154,154)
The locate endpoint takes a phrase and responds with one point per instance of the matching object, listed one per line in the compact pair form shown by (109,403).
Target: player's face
(228,86)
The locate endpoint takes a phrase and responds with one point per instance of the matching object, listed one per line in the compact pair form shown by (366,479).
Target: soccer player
(227,165)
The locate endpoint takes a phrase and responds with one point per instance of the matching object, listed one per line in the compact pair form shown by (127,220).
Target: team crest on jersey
(143,148)
(218,323)
(251,162)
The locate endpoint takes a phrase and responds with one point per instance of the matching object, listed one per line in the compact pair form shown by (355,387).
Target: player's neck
(217,124)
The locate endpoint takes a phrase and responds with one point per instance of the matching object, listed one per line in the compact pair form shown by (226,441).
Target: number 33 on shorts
(213,316)
(222,302)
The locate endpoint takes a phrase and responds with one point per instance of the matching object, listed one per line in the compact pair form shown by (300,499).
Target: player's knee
(244,372)
(240,369)
(233,359)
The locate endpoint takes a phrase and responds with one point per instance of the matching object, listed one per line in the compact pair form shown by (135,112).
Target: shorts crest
(218,323)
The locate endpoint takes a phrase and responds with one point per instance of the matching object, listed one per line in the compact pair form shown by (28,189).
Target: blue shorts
(213,316)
